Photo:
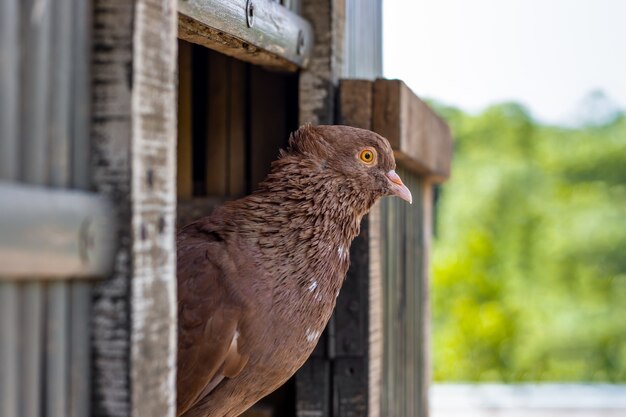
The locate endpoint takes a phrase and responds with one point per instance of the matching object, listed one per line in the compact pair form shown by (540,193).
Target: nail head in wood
(250,13)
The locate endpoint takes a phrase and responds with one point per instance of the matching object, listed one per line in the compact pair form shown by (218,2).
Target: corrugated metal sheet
(43,72)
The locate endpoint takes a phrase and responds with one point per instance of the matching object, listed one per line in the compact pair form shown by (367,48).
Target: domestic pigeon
(259,277)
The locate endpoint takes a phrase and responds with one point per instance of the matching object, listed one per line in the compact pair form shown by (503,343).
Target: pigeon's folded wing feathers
(208,346)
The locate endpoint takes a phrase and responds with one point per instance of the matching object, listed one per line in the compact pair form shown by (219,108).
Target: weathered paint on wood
(398,236)
(261,32)
(153,161)
(421,139)
(134,134)
(319,80)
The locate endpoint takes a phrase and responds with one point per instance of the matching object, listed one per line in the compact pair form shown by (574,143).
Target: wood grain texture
(184,180)
(153,153)
(277,37)
(319,80)
(111,132)
(218,126)
(134,130)
(421,139)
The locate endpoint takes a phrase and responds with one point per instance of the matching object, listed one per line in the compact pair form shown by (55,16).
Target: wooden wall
(233,119)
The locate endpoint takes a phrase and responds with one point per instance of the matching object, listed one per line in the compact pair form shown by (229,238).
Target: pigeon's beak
(398,188)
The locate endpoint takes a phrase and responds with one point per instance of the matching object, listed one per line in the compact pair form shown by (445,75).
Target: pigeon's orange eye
(367,156)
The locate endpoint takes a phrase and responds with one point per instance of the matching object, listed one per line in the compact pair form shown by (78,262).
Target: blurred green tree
(530,259)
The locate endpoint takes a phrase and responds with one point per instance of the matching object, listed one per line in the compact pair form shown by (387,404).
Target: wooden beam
(261,32)
(319,81)
(134,142)
(421,139)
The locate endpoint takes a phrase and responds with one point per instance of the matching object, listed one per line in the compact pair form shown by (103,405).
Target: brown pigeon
(258,279)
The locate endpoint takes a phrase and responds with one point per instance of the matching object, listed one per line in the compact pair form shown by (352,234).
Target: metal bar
(9,102)
(258,31)
(9,91)
(35,50)
(80,293)
(31,340)
(8,349)
(48,233)
(56,362)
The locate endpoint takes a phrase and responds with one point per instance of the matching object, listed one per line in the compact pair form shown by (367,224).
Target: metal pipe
(9,103)
(47,233)
(57,292)
(80,295)
(35,47)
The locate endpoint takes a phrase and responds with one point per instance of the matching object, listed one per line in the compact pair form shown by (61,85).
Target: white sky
(545,54)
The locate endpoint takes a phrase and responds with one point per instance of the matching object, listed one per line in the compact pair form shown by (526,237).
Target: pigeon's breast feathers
(318,189)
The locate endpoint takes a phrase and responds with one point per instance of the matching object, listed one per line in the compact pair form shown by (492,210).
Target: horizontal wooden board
(421,139)
(261,32)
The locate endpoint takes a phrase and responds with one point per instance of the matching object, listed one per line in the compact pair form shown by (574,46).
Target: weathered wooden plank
(261,32)
(425,377)
(313,388)
(355,103)
(421,139)
(350,387)
(134,131)
(375,313)
(112,78)
(153,199)
(319,80)
(184,185)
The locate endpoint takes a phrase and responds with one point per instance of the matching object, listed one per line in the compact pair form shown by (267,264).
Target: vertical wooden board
(318,82)
(217,124)
(387,109)
(375,313)
(355,103)
(153,198)
(184,185)
(237,128)
(313,388)
(350,398)
(426,232)
(268,123)
(351,336)
(112,78)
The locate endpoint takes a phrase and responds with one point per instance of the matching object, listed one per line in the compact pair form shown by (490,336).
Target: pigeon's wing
(209,317)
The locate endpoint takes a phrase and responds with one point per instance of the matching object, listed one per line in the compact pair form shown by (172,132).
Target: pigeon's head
(363,157)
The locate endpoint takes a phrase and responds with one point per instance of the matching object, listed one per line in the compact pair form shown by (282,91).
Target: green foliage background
(530,256)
